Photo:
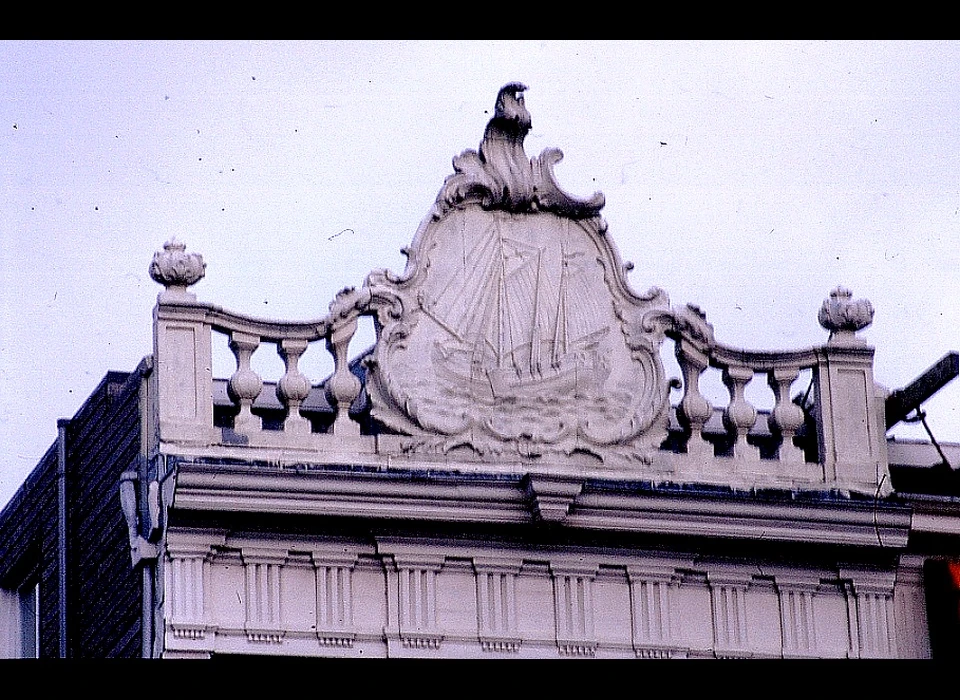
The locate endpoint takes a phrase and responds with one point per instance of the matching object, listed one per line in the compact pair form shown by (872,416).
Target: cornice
(365,492)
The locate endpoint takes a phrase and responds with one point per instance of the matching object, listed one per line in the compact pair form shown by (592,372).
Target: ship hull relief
(518,335)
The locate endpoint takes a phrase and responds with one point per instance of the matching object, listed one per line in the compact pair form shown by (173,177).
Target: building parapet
(831,439)
(514,341)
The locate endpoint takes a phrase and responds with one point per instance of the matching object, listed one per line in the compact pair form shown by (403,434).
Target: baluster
(293,388)
(786,417)
(343,387)
(740,415)
(694,409)
(245,384)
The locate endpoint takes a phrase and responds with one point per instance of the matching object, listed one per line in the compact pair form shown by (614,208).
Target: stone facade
(444,599)
(504,473)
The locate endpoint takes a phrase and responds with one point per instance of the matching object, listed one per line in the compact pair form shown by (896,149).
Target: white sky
(749,178)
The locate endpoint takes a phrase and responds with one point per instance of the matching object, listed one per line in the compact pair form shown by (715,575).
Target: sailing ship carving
(515,329)
(525,326)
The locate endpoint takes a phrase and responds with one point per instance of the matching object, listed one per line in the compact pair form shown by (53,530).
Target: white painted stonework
(516,396)
(409,598)
(515,346)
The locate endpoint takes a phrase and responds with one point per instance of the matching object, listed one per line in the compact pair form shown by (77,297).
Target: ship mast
(505,344)
(535,332)
(560,329)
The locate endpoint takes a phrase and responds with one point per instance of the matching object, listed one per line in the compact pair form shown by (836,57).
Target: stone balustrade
(739,368)
(833,438)
(185,384)
(842,406)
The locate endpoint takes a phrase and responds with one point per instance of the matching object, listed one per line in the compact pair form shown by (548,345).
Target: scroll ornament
(500,176)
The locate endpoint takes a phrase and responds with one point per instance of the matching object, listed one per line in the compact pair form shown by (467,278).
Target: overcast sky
(750,178)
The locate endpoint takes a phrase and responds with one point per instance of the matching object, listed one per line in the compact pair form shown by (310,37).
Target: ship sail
(513,307)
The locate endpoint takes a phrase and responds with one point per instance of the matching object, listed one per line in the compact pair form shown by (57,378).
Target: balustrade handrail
(268,330)
(761,360)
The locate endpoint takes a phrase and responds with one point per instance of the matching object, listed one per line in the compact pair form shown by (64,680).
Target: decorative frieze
(187,587)
(263,623)
(798,624)
(412,587)
(497,604)
(334,577)
(573,607)
(654,631)
(872,627)
(319,598)
(728,602)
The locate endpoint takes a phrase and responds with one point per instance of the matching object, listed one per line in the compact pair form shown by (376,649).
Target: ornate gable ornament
(513,331)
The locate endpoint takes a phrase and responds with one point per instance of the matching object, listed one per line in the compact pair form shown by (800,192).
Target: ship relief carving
(514,330)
